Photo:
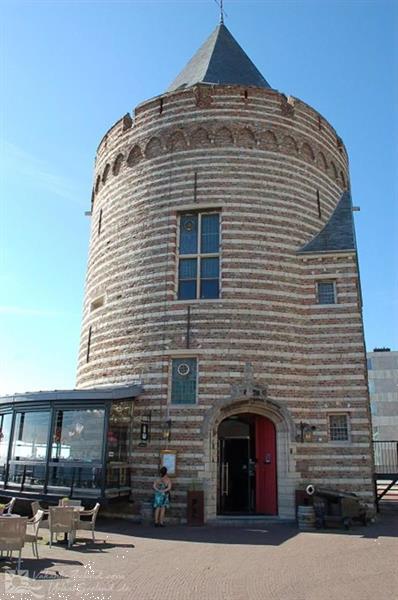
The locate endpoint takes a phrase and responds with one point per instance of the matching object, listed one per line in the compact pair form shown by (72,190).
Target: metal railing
(386,456)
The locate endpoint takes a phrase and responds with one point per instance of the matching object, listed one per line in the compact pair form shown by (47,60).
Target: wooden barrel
(306,518)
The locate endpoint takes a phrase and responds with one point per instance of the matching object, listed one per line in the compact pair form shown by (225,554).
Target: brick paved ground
(180,563)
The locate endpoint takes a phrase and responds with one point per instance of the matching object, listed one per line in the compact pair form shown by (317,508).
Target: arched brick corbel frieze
(200,138)
(245,138)
(289,145)
(117,164)
(307,152)
(177,141)
(223,137)
(135,156)
(268,140)
(154,148)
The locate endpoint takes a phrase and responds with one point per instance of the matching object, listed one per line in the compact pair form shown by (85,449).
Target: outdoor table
(78,509)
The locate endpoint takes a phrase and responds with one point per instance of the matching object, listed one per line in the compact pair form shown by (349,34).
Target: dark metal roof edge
(116,392)
(341,251)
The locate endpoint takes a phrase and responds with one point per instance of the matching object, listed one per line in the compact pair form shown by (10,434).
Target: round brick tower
(222,273)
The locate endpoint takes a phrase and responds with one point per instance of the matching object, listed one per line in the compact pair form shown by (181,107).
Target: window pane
(31,435)
(187,279)
(209,288)
(78,435)
(187,290)
(189,234)
(5,433)
(209,282)
(118,432)
(209,268)
(183,387)
(188,267)
(210,229)
(326,293)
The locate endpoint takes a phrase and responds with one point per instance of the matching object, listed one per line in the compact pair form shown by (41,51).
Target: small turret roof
(338,234)
(219,60)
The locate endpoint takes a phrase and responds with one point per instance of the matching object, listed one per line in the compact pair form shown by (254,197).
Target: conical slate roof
(219,60)
(338,234)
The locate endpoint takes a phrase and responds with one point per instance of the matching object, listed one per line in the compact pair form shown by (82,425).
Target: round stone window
(183,369)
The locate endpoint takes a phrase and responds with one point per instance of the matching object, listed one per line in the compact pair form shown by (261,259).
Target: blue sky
(70,69)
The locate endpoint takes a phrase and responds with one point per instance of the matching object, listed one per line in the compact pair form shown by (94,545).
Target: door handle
(226,479)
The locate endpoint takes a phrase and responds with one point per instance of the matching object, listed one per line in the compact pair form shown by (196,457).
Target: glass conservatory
(73,443)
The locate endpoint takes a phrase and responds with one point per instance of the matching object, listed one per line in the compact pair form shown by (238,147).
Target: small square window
(338,428)
(183,380)
(326,292)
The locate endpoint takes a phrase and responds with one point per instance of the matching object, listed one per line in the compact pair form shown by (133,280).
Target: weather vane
(220,4)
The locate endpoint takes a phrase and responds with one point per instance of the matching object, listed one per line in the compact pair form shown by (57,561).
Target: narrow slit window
(318,202)
(89,344)
(100,222)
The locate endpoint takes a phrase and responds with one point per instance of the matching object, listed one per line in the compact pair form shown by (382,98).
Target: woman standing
(161,501)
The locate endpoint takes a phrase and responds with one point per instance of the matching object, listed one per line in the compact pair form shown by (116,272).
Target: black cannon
(334,509)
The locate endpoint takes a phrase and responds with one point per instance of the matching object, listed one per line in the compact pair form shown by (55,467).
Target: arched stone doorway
(285,450)
(247,465)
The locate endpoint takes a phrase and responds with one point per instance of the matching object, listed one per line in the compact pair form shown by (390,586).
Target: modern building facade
(223,276)
(383,388)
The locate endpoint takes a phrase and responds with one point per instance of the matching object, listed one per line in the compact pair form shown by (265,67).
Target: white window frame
(199,255)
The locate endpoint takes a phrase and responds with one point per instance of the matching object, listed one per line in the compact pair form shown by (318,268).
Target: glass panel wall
(29,450)
(60,449)
(5,436)
(78,435)
(77,451)
(118,445)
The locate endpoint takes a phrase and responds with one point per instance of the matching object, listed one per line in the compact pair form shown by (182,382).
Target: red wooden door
(265,467)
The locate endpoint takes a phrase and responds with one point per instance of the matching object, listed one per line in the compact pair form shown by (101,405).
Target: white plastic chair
(12,536)
(88,525)
(62,519)
(32,537)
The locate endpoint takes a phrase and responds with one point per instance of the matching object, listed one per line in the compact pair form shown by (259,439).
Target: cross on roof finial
(221,12)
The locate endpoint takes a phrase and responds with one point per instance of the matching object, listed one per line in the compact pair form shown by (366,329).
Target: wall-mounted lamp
(145,429)
(306,432)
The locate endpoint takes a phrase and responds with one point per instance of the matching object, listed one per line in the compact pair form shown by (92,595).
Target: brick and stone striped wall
(263,160)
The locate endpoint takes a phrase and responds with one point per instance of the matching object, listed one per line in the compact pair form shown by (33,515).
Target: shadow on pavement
(35,568)
(273,534)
